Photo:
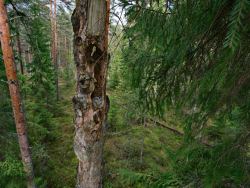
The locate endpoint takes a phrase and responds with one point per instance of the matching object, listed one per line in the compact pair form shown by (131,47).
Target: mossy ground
(137,148)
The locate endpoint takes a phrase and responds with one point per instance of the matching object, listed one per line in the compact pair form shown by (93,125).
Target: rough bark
(15,95)
(90,22)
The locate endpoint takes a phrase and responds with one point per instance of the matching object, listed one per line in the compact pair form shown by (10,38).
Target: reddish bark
(15,95)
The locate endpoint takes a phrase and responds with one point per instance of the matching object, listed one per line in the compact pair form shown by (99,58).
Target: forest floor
(134,148)
(61,152)
(137,149)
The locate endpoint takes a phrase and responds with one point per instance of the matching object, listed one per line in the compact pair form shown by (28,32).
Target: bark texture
(90,22)
(15,95)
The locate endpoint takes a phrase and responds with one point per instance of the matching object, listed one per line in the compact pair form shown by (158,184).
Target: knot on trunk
(97,118)
(75,20)
(93,53)
(80,104)
(86,83)
(78,41)
(98,103)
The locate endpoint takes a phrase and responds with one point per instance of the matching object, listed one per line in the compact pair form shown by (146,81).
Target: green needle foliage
(237,18)
(39,99)
(181,62)
(193,56)
(11,170)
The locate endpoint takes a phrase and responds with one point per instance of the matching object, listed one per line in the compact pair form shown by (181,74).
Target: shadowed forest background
(178,84)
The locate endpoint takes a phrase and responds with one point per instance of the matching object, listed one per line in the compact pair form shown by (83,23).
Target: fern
(150,180)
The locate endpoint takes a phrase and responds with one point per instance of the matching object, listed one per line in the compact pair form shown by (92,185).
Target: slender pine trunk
(15,95)
(19,51)
(54,51)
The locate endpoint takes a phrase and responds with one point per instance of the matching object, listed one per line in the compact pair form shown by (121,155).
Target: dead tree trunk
(15,95)
(90,22)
